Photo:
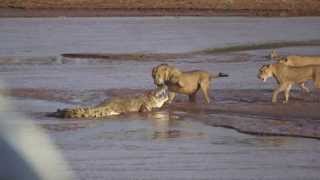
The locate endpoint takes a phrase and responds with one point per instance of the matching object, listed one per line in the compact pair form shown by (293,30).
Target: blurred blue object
(26,152)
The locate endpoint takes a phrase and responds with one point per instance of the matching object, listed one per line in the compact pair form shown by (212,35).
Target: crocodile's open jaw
(161,96)
(162,92)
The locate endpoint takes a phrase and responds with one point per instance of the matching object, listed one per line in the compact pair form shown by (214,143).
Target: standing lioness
(296,61)
(287,76)
(188,82)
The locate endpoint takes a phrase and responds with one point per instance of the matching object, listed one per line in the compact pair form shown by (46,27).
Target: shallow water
(165,148)
(142,148)
(84,74)
(171,145)
(54,36)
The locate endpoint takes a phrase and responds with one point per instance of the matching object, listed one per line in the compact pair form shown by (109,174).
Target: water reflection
(244,140)
(180,125)
(167,125)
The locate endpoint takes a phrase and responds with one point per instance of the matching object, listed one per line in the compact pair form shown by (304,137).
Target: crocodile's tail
(82,112)
(71,113)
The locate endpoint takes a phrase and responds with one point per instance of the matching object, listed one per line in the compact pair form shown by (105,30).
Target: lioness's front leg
(144,108)
(281,88)
(286,93)
(304,88)
(172,95)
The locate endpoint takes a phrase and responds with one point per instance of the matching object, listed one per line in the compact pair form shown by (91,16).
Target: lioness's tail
(220,74)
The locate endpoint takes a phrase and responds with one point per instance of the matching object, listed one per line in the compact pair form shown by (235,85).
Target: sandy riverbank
(85,8)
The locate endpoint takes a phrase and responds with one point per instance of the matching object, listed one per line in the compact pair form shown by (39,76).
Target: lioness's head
(283,61)
(161,74)
(265,72)
(159,96)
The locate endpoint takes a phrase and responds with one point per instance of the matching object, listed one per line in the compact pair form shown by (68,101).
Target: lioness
(287,76)
(116,106)
(296,61)
(183,82)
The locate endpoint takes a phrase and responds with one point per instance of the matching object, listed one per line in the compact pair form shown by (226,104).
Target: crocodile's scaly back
(85,112)
(116,106)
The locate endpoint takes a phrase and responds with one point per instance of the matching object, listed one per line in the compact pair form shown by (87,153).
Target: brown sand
(31,8)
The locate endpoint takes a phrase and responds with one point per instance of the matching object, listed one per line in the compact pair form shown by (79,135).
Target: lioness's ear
(264,67)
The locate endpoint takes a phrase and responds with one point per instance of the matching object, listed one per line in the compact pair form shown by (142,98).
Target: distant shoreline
(113,12)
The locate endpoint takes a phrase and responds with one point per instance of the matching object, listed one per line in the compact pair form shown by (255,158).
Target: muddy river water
(178,143)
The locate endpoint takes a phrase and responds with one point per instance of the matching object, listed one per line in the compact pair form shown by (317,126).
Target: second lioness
(141,103)
(187,82)
(296,61)
(287,76)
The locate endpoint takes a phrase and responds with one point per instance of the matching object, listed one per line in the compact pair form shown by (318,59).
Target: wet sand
(240,135)
(248,110)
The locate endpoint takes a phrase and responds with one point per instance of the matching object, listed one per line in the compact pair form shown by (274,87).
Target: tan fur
(116,106)
(287,76)
(183,82)
(296,61)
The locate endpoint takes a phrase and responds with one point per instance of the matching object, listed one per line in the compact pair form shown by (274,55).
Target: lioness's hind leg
(204,85)
(192,97)
(304,88)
